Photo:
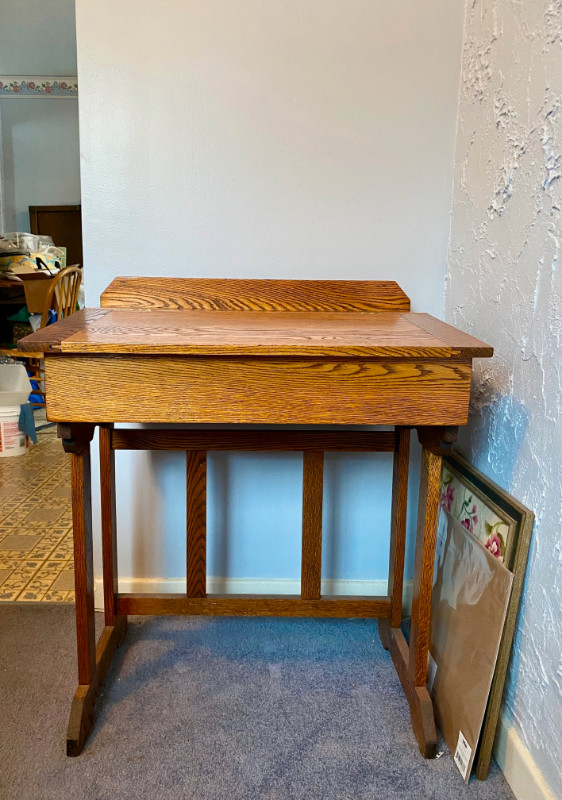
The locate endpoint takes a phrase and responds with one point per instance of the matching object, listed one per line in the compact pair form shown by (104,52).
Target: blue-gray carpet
(216,709)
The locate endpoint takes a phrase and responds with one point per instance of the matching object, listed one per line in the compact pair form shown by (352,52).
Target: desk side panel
(256,391)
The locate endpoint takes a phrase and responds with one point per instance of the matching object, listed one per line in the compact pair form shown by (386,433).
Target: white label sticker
(462,755)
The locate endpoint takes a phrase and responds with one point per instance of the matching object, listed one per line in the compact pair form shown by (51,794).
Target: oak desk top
(384,334)
(256,351)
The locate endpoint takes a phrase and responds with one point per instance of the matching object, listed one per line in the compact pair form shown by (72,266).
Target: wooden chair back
(63,294)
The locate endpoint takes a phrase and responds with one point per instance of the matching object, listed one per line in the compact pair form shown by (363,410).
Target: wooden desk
(254,352)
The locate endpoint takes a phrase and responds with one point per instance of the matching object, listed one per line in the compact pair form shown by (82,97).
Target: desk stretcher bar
(196,444)
(254,605)
(193,351)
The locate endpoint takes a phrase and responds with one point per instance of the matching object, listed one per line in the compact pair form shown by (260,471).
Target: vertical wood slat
(428,509)
(398,525)
(108,522)
(313,480)
(196,531)
(80,479)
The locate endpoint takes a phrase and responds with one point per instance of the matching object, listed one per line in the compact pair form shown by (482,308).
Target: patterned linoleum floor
(36,562)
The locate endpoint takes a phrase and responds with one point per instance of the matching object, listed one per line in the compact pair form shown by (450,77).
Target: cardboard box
(36,282)
(36,286)
(471,591)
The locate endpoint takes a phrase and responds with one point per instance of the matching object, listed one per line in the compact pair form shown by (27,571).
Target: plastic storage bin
(15,386)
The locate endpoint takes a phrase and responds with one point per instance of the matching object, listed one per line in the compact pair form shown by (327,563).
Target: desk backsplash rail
(209,294)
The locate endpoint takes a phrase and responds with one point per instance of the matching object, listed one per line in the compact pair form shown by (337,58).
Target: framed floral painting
(477,512)
(503,526)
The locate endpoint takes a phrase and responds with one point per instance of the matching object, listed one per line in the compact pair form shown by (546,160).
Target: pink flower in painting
(48,89)
(64,85)
(475,518)
(447,498)
(467,524)
(494,545)
(16,88)
(30,85)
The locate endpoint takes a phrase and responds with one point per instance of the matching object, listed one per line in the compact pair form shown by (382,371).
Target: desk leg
(411,660)
(93,661)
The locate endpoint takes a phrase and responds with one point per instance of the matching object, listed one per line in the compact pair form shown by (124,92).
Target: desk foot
(421,708)
(384,632)
(81,718)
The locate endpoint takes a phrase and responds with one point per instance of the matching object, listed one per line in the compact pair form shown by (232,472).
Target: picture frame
(504,526)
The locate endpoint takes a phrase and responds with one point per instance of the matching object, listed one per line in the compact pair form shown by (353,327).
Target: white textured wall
(504,287)
(265,138)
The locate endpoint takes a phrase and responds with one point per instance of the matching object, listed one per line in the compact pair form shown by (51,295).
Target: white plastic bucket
(13,442)
(14,385)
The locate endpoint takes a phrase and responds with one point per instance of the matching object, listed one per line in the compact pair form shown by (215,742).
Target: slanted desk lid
(268,334)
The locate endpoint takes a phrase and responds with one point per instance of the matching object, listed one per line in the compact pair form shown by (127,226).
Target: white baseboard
(518,766)
(217,585)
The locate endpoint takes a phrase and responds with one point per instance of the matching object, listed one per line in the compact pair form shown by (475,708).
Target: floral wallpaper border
(38,86)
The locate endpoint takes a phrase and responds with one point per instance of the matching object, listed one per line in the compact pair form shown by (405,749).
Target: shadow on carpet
(216,709)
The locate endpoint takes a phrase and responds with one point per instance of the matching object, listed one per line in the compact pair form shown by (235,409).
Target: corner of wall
(518,766)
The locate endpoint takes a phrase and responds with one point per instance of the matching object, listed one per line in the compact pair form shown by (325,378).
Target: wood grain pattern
(470,347)
(241,333)
(164,331)
(76,436)
(196,483)
(254,605)
(80,481)
(108,522)
(437,437)
(14,352)
(312,493)
(205,294)
(421,708)
(81,718)
(382,335)
(254,440)
(49,339)
(428,508)
(256,390)
(309,353)
(398,524)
